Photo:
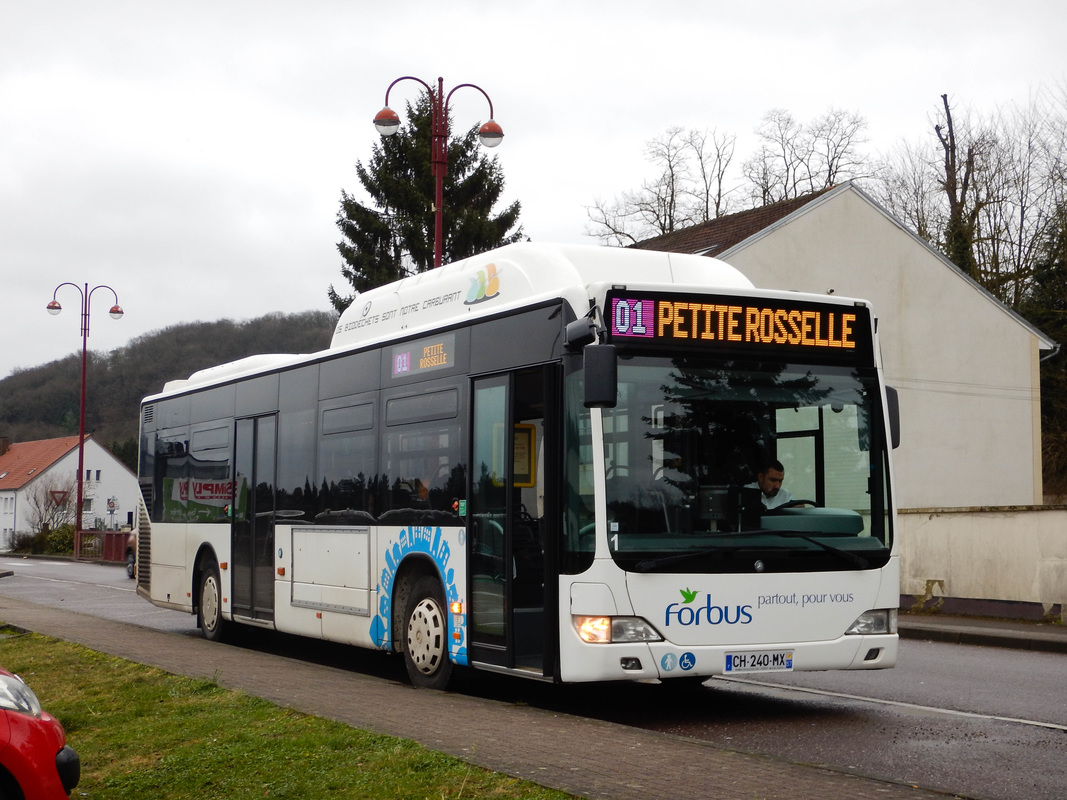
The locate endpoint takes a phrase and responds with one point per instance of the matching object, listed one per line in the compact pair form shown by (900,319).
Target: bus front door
(508,519)
(252,526)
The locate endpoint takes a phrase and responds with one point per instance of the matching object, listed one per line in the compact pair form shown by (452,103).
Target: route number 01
(631,317)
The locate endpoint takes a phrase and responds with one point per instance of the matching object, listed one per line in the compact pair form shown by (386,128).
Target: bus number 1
(628,317)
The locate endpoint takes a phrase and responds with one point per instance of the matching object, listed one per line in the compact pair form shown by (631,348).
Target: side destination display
(754,327)
(425,355)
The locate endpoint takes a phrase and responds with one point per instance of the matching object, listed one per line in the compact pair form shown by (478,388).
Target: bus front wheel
(426,635)
(209,609)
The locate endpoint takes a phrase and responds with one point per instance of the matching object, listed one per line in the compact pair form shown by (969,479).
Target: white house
(967,371)
(45,471)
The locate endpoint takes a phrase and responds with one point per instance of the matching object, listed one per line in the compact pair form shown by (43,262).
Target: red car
(36,763)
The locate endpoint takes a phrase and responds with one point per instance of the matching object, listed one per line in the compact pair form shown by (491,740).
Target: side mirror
(893,407)
(580,333)
(601,376)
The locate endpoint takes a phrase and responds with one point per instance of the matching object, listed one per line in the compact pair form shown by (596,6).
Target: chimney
(5,445)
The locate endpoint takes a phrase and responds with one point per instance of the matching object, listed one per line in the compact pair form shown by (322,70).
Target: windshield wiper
(650,564)
(847,555)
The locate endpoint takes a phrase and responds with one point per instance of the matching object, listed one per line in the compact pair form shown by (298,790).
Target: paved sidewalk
(1019,635)
(584,757)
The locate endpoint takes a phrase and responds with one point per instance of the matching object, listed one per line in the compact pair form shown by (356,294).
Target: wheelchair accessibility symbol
(686,662)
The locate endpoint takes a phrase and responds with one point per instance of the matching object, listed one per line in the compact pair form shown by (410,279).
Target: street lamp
(116,313)
(387,122)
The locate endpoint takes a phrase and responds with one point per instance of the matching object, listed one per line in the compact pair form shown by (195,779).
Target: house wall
(1015,555)
(115,481)
(8,499)
(966,370)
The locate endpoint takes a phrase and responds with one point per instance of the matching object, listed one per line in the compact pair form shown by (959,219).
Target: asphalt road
(979,722)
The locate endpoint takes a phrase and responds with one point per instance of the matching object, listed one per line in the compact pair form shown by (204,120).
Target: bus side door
(252,527)
(510,517)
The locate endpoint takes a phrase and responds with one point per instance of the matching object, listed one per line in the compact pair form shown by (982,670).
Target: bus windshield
(684,445)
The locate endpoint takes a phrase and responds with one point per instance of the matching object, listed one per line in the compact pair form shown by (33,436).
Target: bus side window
(347,479)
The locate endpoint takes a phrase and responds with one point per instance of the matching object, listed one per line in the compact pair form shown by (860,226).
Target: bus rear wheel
(209,609)
(426,635)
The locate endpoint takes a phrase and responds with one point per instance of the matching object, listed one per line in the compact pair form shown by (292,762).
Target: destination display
(739,324)
(426,355)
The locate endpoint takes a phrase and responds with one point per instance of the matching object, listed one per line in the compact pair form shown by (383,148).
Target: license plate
(763,661)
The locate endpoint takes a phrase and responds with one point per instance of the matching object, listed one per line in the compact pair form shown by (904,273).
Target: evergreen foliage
(1045,305)
(392,236)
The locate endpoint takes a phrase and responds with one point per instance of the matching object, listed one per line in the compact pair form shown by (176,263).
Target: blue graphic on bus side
(430,541)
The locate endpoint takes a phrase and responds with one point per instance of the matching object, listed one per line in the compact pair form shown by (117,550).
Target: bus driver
(769,482)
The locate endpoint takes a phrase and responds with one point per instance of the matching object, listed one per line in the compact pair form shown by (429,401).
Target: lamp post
(387,122)
(116,313)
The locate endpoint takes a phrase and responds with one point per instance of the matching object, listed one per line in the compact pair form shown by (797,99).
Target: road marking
(76,583)
(914,706)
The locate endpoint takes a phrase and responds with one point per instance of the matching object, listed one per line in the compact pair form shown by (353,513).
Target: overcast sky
(191,155)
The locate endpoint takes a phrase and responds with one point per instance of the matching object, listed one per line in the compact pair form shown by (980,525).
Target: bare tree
(52,502)
(988,192)
(960,160)
(907,187)
(689,189)
(1024,188)
(713,153)
(836,139)
(773,170)
(795,159)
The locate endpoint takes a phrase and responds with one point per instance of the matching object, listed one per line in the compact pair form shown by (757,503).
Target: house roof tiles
(718,235)
(25,461)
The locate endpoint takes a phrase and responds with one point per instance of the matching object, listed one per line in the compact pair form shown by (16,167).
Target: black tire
(131,564)
(9,787)
(209,605)
(425,635)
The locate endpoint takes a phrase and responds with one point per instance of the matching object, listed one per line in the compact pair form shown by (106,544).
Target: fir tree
(393,236)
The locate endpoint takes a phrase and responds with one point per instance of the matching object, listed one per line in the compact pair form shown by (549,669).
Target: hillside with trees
(42,402)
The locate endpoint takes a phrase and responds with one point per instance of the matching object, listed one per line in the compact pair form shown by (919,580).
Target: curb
(961,633)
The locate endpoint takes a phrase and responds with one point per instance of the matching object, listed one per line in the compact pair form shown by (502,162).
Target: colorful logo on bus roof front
(485,285)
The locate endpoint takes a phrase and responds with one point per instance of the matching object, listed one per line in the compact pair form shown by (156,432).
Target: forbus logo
(707,614)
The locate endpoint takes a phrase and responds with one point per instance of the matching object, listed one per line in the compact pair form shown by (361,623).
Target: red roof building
(38,484)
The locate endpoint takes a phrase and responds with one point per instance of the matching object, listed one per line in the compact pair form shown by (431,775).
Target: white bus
(538,461)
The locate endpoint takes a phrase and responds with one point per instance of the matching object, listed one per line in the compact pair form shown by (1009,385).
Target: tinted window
(297,488)
(528,338)
(349,374)
(213,404)
(422,407)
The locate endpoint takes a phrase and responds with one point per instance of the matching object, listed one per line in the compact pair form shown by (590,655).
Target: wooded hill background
(42,402)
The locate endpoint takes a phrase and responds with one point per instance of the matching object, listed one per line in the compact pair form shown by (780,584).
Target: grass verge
(141,732)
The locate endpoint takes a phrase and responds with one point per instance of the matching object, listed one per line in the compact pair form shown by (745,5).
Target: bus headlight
(880,620)
(602,630)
